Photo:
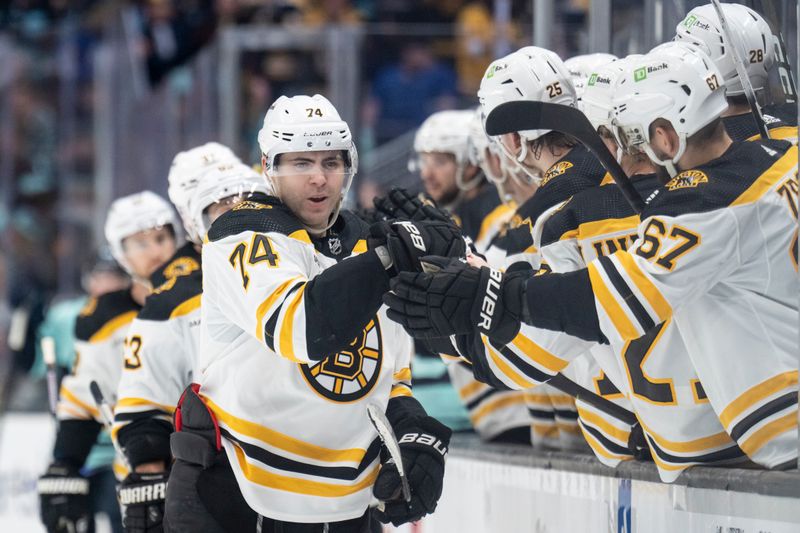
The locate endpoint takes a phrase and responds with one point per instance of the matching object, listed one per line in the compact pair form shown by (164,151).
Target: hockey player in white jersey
(275,434)
(702,28)
(715,253)
(162,345)
(140,230)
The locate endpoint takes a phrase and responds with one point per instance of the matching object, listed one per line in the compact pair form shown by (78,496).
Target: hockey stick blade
(529,115)
(386,433)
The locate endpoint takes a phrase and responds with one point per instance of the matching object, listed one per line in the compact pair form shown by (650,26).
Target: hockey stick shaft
(782,58)
(108,418)
(386,434)
(524,115)
(49,357)
(567,386)
(741,70)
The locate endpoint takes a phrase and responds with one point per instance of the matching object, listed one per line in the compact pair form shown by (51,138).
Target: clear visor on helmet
(308,164)
(430,161)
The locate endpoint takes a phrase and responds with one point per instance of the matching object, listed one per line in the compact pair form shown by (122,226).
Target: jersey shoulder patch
(260,214)
(101,316)
(185,261)
(721,182)
(178,296)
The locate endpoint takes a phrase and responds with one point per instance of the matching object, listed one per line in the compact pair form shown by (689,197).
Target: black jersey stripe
(609,445)
(776,405)
(633,303)
(273,460)
(140,415)
(541,414)
(272,321)
(726,454)
(475,402)
(530,371)
(568,415)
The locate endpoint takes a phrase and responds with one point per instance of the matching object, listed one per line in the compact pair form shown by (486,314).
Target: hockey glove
(408,241)
(64,500)
(399,204)
(457,299)
(142,498)
(423,445)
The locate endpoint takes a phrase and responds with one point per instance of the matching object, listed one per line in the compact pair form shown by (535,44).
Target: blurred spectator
(323,12)
(405,93)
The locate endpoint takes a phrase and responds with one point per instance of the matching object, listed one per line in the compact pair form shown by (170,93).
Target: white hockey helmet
(306,124)
(219,183)
(185,172)
(446,132)
(597,102)
(582,66)
(676,82)
(478,143)
(702,28)
(530,73)
(131,214)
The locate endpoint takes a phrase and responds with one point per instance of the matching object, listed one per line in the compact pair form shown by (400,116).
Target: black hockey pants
(203,495)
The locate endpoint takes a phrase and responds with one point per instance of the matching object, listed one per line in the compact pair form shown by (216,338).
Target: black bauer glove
(142,498)
(423,445)
(453,298)
(408,241)
(399,204)
(64,500)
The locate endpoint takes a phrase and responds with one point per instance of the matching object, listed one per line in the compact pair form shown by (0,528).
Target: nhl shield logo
(335,245)
(353,372)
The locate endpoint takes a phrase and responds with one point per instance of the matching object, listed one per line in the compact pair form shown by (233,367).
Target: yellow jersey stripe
(607,180)
(606,226)
(300,235)
(756,394)
(784,133)
(654,297)
(494,405)
(400,390)
(186,307)
(548,431)
(287,328)
(281,441)
(609,430)
(560,399)
(538,354)
(360,246)
(572,429)
(68,396)
(780,169)
(599,449)
(761,437)
(110,327)
(472,388)
(271,480)
(702,444)
(402,375)
(618,317)
(267,304)
(493,219)
(505,368)
(142,402)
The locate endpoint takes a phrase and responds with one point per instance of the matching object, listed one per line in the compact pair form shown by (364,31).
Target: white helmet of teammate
(306,124)
(222,182)
(581,68)
(530,73)
(447,132)
(478,144)
(134,213)
(676,82)
(185,172)
(597,102)
(702,28)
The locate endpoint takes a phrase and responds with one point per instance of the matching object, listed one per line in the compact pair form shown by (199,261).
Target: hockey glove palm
(408,241)
(142,497)
(64,500)
(399,204)
(423,445)
(457,299)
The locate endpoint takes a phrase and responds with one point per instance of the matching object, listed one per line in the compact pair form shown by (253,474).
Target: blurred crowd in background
(415,57)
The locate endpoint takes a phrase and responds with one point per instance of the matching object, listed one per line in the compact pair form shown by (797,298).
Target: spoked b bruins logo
(352,373)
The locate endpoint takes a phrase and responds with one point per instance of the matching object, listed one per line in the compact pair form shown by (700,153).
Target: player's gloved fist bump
(423,445)
(452,298)
(399,204)
(142,498)
(408,241)
(64,500)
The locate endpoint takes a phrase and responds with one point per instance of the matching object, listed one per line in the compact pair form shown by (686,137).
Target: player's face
(217,209)
(438,172)
(147,250)
(310,184)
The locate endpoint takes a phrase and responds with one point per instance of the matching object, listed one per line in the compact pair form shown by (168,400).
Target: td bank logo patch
(592,79)
(639,74)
